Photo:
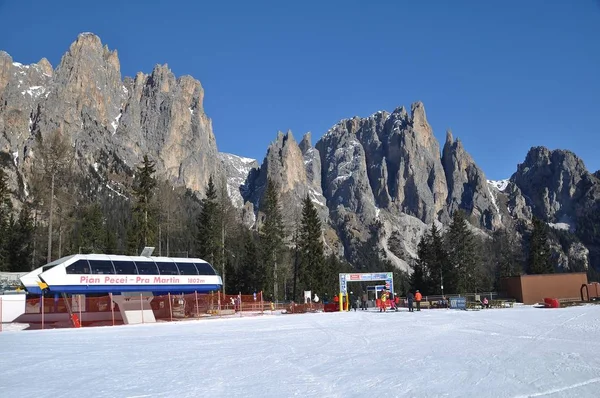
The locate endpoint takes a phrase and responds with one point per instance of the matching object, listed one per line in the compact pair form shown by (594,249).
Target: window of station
(146,267)
(187,269)
(102,267)
(125,267)
(205,269)
(167,268)
(79,267)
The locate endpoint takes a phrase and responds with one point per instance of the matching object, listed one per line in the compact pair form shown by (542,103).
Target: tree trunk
(60,240)
(275,280)
(146,226)
(168,229)
(35,238)
(223,251)
(49,258)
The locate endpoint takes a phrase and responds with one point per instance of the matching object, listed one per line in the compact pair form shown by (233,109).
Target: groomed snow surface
(518,352)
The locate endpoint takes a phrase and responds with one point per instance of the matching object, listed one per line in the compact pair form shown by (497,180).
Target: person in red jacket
(418,298)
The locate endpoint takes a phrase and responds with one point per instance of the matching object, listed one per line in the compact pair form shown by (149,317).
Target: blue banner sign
(458,303)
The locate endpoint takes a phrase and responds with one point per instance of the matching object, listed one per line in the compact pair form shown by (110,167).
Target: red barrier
(551,303)
(75,320)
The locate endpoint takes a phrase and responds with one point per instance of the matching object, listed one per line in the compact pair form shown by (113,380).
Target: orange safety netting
(79,310)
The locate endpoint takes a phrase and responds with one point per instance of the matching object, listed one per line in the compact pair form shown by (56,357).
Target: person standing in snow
(383,301)
(363,304)
(418,298)
(392,302)
(410,298)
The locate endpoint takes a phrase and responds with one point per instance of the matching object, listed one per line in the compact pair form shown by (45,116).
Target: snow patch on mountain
(34,91)
(561,225)
(237,169)
(500,185)
(115,123)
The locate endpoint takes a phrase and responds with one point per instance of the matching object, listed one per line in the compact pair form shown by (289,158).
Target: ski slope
(518,352)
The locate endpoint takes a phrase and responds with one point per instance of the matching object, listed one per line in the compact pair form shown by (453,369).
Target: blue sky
(503,75)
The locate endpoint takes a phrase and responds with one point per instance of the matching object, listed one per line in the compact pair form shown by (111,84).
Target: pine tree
(20,246)
(143,210)
(462,276)
(311,264)
(208,239)
(439,260)
(420,278)
(5,220)
(92,233)
(271,239)
(539,249)
(331,280)
(53,168)
(506,249)
(251,274)
(431,263)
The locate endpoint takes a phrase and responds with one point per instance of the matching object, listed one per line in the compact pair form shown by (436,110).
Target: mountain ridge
(385,171)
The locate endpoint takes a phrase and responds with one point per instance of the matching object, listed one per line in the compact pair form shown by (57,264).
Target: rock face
(556,185)
(23,88)
(389,161)
(295,171)
(467,186)
(107,117)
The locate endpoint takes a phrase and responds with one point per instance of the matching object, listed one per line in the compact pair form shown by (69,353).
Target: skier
(410,298)
(364,302)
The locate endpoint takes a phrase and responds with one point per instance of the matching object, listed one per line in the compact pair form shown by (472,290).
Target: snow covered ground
(518,352)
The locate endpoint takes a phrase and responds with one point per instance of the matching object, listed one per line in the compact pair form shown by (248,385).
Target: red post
(240,298)
(197,311)
(170,308)
(79,305)
(142,306)
(42,305)
(112,308)
(262,305)
(219,302)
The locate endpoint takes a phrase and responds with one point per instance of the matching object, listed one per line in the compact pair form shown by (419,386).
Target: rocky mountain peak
(401,112)
(417,113)
(106,117)
(552,181)
(468,188)
(46,67)
(87,48)
(6,64)
(305,144)
(449,137)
